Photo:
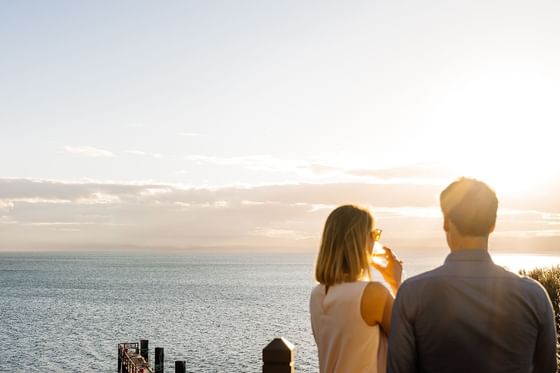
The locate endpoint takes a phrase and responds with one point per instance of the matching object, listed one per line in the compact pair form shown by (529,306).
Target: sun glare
(511,177)
(499,125)
(515,262)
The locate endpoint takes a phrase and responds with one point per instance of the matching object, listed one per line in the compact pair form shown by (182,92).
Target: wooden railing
(132,359)
(277,357)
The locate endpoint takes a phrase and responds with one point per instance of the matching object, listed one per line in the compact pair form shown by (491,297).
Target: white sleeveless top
(346,343)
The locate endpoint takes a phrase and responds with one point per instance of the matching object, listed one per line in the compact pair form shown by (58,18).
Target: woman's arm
(392,272)
(377,300)
(377,306)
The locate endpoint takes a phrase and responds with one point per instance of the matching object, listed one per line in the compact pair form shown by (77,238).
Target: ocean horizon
(67,311)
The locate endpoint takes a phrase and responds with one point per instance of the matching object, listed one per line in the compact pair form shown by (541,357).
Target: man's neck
(469,243)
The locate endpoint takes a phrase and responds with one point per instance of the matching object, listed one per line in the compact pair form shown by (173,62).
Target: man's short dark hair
(470,205)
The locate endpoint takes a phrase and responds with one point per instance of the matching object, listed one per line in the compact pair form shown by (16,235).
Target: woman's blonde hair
(343,255)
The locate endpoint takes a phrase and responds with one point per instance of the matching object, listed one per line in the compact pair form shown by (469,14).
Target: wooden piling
(180,366)
(144,350)
(278,357)
(119,363)
(159,361)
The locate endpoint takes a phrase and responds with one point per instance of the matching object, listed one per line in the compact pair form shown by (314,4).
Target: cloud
(146,154)
(269,163)
(98,198)
(6,205)
(155,191)
(410,171)
(34,200)
(417,173)
(52,214)
(88,151)
(281,233)
(409,211)
(321,169)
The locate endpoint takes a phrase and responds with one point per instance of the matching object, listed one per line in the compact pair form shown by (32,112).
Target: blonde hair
(343,254)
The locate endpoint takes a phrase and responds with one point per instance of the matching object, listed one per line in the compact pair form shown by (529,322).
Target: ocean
(66,312)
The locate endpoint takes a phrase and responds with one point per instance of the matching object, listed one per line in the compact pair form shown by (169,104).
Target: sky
(241,125)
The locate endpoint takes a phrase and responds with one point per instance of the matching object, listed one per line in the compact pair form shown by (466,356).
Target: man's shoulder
(523,282)
(428,276)
(439,274)
(532,285)
(420,281)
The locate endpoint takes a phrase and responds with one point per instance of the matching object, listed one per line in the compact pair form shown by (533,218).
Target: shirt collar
(469,255)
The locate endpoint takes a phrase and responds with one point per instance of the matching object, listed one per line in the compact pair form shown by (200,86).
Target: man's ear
(445,223)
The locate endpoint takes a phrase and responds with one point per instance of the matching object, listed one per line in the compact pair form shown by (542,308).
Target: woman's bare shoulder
(375,289)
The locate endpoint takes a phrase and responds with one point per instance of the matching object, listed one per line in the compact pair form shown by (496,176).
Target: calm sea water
(62,312)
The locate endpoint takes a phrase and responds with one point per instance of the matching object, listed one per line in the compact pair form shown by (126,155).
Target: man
(470,315)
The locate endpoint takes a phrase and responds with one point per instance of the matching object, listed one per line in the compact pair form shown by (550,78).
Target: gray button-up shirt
(470,315)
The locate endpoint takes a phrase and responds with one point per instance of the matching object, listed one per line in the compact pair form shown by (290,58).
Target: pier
(277,357)
(132,359)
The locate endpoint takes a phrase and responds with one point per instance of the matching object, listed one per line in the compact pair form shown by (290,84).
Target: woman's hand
(392,272)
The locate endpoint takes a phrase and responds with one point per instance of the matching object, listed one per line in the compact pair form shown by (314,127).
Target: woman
(351,315)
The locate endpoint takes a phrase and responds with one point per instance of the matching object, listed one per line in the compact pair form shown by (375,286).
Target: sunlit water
(67,312)
(515,262)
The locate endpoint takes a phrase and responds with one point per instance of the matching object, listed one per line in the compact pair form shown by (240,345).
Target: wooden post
(119,363)
(278,357)
(180,366)
(159,363)
(144,351)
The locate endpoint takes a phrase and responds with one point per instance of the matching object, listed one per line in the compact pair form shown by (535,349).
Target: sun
(499,127)
(508,172)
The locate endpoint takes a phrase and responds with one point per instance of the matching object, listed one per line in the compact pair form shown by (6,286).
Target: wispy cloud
(414,170)
(98,198)
(408,211)
(88,151)
(281,233)
(419,173)
(145,154)
(34,201)
(6,205)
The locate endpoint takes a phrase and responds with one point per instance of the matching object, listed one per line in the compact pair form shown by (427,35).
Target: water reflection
(515,262)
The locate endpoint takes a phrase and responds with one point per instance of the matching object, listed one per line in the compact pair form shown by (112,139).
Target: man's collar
(469,255)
